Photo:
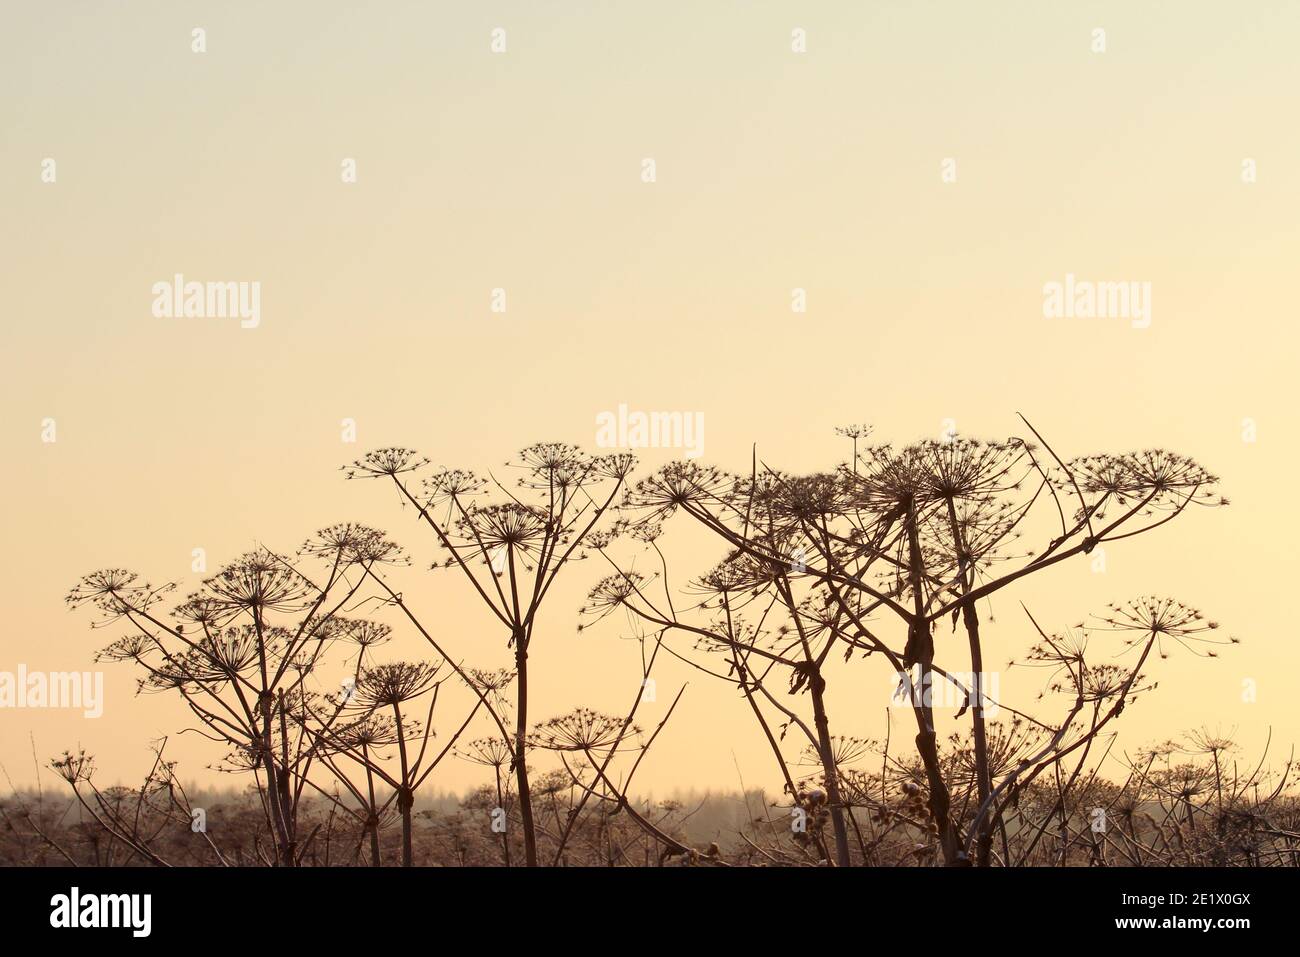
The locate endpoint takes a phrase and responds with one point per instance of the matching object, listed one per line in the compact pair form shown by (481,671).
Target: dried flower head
(385,462)
(1163,619)
(395,683)
(580,730)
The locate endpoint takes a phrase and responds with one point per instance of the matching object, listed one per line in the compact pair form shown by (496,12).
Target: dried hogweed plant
(896,555)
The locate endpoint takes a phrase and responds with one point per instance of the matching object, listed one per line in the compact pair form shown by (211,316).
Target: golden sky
(522,170)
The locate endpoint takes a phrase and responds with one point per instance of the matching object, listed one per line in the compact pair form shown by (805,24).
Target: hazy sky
(523,170)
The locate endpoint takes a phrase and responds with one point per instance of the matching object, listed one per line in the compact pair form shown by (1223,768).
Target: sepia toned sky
(522,170)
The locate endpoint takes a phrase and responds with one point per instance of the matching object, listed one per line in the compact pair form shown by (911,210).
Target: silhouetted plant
(240,652)
(919,533)
(863,560)
(510,551)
